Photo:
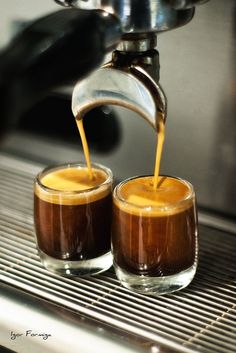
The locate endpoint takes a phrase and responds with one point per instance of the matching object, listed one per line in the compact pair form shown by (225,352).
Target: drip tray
(200,318)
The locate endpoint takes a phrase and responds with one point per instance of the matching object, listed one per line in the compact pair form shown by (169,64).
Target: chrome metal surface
(112,86)
(62,327)
(129,80)
(200,318)
(134,44)
(177,4)
(138,16)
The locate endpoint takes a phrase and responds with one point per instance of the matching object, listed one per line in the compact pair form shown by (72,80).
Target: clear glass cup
(73,227)
(155,240)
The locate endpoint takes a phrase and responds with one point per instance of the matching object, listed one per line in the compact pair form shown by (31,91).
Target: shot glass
(154,234)
(72,216)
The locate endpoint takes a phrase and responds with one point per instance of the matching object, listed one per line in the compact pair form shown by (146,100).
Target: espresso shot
(72,216)
(154,234)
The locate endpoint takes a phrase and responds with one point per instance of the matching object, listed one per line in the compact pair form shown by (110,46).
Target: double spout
(130,80)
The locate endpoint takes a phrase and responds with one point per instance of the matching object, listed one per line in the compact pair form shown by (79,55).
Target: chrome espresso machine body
(94,52)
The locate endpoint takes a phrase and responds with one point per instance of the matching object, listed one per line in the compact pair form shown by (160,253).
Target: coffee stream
(159,148)
(80,126)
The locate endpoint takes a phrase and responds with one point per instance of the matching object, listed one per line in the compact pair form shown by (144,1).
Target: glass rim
(81,165)
(151,208)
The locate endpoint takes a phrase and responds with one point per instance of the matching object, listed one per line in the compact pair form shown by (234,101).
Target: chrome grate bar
(200,318)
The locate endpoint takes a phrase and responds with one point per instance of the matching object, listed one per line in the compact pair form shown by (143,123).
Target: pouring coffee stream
(159,149)
(80,126)
(130,80)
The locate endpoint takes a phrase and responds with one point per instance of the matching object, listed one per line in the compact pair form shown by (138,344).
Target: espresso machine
(101,56)
(67,45)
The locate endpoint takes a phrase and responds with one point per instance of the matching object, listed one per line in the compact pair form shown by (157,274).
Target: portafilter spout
(130,80)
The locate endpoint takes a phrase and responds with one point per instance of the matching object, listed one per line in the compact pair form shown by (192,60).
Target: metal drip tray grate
(200,318)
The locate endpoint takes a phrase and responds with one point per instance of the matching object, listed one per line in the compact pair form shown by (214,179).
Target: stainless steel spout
(130,80)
